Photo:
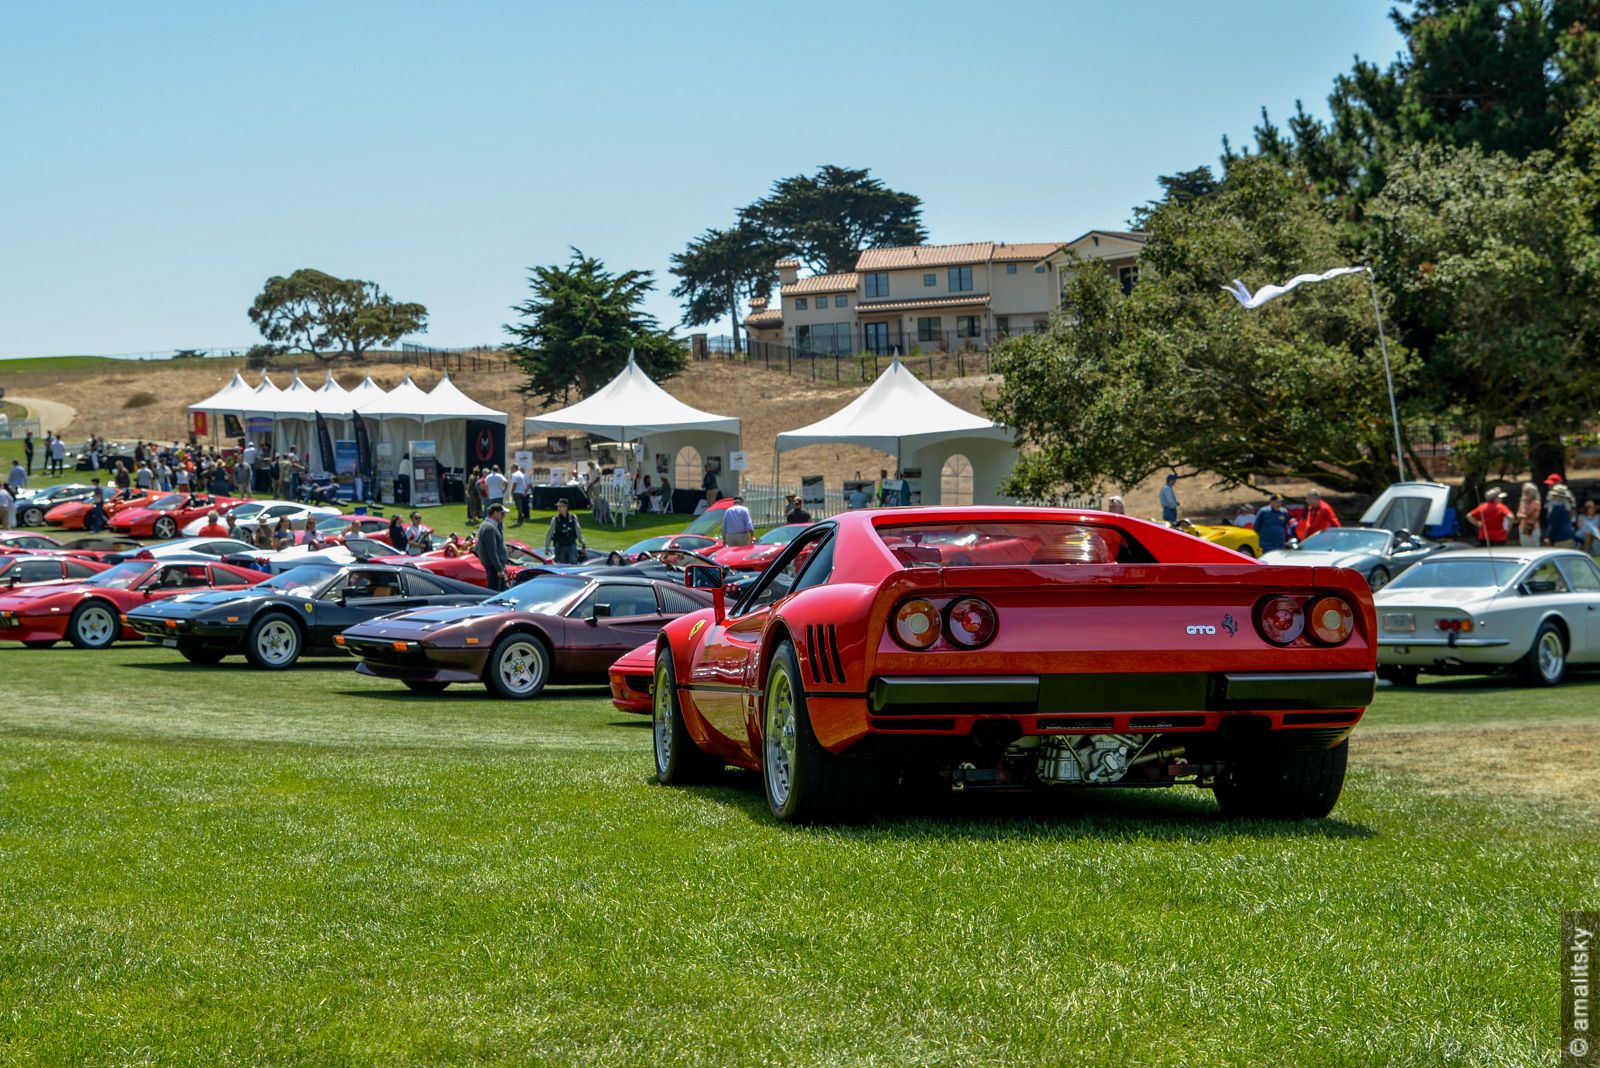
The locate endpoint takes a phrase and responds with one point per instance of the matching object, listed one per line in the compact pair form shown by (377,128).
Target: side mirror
(601,611)
(709,577)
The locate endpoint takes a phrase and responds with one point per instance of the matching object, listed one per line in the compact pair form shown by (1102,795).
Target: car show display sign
(813,491)
(555,445)
(231,427)
(346,461)
(386,472)
(486,444)
(424,473)
(523,458)
(324,444)
(738,461)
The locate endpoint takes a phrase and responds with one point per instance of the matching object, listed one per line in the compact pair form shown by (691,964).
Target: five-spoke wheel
(94,625)
(274,642)
(519,666)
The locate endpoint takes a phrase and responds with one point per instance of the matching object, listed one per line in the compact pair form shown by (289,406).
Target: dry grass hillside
(149,400)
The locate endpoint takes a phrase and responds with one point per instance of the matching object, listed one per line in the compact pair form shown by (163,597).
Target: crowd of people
(1553,518)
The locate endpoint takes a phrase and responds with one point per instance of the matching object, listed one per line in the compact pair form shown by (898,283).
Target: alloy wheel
(96,626)
(1552,657)
(521,666)
(276,642)
(779,739)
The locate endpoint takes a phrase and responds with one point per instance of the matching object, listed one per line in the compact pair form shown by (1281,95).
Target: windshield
(120,577)
(648,545)
(1478,573)
(300,581)
(780,535)
(545,593)
(243,510)
(999,544)
(710,523)
(171,500)
(1346,540)
(333,524)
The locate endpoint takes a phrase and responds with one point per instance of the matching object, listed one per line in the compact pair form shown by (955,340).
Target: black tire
(165,528)
(199,654)
(1378,579)
(1248,551)
(518,667)
(31,516)
(679,761)
(1272,783)
(1545,663)
(803,782)
(425,686)
(94,624)
(275,642)
(42,643)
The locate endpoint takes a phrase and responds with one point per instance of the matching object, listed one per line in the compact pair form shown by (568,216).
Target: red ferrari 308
(89,613)
(465,566)
(1017,647)
(165,517)
(72,515)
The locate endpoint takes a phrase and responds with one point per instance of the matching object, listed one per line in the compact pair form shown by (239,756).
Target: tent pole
(776,459)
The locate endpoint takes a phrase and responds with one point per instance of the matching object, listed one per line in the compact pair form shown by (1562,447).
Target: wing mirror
(709,577)
(597,612)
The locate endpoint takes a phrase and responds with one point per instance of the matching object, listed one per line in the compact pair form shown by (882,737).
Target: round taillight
(1331,620)
(916,623)
(1280,620)
(970,622)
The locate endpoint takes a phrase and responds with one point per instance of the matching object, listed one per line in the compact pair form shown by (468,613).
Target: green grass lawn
(218,865)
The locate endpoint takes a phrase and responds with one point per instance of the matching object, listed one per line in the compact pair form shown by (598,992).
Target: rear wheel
(1248,549)
(1270,783)
(32,516)
(1546,661)
(199,654)
(165,528)
(274,642)
(519,667)
(804,782)
(94,625)
(1400,675)
(679,761)
(427,686)
(1378,579)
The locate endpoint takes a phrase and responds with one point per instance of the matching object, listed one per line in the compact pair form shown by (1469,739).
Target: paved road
(52,415)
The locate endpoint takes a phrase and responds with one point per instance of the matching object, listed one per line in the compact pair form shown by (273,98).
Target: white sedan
(252,514)
(1534,612)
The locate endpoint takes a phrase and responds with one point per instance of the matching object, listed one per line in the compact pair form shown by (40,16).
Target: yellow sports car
(1239,539)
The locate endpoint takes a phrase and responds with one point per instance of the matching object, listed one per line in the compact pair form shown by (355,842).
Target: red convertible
(761,552)
(465,566)
(71,515)
(89,613)
(165,517)
(1017,647)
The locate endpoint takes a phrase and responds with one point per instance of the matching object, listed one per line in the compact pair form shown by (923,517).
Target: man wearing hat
(1169,499)
(491,546)
(1492,518)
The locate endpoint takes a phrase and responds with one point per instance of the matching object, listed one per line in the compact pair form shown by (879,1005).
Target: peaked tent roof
(406,399)
(895,413)
(367,392)
(332,393)
(298,399)
(630,406)
(228,396)
(449,402)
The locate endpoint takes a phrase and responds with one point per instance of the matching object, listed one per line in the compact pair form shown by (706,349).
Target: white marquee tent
(901,416)
(632,407)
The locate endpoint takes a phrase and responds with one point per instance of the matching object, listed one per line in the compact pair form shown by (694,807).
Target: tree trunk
(1477,469)
(733,314)
(1546,455)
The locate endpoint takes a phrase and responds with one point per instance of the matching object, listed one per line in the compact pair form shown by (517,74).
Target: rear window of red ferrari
(1009,544)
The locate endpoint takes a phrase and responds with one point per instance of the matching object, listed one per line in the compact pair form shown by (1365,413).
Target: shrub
(139,400)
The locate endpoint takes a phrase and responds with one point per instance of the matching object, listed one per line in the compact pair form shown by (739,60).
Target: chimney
(788,271)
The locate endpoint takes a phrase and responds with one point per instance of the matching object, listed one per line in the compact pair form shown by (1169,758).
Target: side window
(419,585)
(78,569)
(678,603)
(779,577)
(816,570)
(1581,573)
(628,600)
(1547,572)
(335,588)
(37,570)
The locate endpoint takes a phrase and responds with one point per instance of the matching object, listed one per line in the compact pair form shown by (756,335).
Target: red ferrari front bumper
(18,628)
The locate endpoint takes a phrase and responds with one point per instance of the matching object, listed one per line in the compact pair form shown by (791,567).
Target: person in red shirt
(213,529)
(1492,518)
(1319,516)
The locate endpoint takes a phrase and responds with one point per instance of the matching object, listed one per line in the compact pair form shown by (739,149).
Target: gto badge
(1200,628)
(1230,624)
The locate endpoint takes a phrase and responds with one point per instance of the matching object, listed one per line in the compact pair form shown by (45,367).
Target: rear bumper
(1316,707)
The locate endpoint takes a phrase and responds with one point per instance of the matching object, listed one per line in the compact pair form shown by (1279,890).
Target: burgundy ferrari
(1017,647)
(552,628)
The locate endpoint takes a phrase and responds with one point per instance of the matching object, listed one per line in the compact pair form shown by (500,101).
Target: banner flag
(324,443)
(363,444)
(1242,294)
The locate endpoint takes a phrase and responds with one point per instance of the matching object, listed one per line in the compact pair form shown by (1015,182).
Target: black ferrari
(293,614)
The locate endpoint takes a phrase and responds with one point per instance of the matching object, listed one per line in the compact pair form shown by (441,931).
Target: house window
(1011,268)
(841,301)
(1002,324)
(967,326)
(822,338)
(1127,276)
(878,284)
(842,332)
(928,328)
(802,337)
(1039,269)
(930,279)
(960,279)
(800,304)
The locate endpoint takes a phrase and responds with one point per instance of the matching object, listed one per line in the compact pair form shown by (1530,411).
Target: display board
(346,460)
(813,492)
(424,473)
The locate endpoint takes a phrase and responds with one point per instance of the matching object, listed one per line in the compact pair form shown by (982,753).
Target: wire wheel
(779,740)
(1552,657)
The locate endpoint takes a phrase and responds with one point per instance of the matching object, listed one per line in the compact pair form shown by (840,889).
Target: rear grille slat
(833,648)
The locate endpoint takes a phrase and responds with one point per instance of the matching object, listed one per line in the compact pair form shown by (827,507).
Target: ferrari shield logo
(699,625)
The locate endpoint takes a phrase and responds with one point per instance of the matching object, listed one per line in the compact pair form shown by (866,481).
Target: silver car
(1379,555)
(1532,612)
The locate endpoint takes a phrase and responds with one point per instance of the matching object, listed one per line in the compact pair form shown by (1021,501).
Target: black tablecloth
(544,498)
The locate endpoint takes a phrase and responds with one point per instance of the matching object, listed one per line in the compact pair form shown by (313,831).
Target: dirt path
(52,415)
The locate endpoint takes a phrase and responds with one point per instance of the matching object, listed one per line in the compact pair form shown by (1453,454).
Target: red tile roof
(821,283)
(768,317)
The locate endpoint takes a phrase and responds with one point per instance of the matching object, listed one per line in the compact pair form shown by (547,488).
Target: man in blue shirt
(1169,499)
(1272,525)
(737,526)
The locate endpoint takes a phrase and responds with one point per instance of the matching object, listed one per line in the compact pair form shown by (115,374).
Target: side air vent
(822,651)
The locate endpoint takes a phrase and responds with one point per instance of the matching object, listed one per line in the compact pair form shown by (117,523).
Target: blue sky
(159,162)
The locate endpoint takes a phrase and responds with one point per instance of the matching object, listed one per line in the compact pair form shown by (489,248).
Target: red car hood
(746,555)
(29,596)
(641,661)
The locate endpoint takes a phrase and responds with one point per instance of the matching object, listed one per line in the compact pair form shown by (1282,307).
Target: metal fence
(17,429)
(858,367)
